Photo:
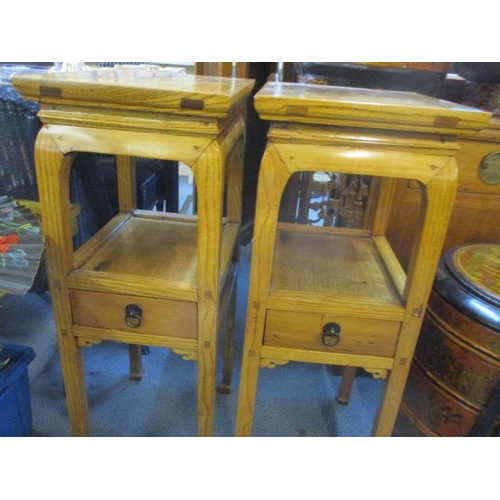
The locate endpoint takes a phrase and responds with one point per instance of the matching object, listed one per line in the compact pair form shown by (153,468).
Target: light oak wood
(320,104)
(106,310)
(304,331)
(179,269)
(303,277)
(88,335)
(282,355)
(330,262)
(111,89)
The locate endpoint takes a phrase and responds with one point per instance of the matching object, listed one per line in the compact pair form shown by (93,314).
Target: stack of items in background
(21,246)
(481,86)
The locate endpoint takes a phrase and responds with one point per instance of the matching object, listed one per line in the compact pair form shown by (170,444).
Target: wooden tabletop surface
(160,90)
(365,107)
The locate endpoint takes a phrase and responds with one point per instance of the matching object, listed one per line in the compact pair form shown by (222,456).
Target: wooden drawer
(305,331)
(160,317)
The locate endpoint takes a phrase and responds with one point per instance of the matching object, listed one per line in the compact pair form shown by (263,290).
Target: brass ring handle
(133,315)
(331,334)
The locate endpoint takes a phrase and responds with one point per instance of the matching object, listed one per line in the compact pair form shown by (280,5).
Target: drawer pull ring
(133,315)
(331,334)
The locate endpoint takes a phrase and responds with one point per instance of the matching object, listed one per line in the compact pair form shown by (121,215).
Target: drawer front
(355,335)
(157,316)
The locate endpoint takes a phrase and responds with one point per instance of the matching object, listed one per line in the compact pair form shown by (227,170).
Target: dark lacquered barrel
(453,386)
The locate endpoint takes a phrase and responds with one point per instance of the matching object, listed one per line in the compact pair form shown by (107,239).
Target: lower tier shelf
(329,270)
(147,254)
(136,281)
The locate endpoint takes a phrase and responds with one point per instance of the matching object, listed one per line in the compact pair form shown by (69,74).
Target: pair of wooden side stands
(317,294)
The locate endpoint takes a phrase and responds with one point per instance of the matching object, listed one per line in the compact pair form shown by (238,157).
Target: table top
(147,91)
(349,106)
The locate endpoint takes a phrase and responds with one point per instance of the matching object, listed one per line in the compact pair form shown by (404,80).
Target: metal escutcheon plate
(331,334)
(489,169)
(133,315)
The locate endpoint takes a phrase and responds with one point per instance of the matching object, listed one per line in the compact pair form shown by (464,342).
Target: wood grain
(303,276)
(356,107)
(304,331)
(134,90)
(180,269)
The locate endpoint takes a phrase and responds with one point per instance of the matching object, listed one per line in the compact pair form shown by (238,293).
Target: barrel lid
(469,278)
(477,267)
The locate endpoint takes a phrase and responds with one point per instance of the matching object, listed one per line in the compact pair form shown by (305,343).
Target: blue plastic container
(15,405)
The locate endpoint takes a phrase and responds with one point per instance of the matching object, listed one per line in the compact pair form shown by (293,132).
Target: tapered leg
(234,183)
(53,171)
(348,376)
(435,212)
(227,367)
(209,178)
(135,358)
(127,199)
(248,390)
(272,180)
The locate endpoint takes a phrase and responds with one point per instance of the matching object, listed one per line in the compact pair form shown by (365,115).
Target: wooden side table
(146,278)
(340,296)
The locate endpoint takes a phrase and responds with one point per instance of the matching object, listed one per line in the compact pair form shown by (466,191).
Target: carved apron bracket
(187,355)
(381,373)
(83,342)
(272,363)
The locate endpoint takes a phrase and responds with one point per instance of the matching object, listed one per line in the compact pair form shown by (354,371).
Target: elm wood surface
(354,107)
(135,90)
(193,119)
(304,273)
